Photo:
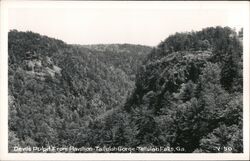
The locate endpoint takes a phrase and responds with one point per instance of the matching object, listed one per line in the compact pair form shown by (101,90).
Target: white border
(4,155)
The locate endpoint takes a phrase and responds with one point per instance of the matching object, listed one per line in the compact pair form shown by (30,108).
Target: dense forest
(186,93)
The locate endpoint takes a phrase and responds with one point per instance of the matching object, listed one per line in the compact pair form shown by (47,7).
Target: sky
(146,23)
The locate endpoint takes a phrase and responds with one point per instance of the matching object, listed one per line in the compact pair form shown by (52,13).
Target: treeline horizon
(185,92)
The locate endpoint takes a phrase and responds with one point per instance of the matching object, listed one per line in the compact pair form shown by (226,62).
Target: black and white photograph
(126,77)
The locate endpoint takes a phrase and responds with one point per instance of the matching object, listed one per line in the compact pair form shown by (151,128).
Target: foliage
(187,92)
(189,84)
(56,90)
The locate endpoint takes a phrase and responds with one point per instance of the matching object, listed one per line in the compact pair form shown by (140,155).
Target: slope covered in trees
(185,95)
(188,97)
(56,89)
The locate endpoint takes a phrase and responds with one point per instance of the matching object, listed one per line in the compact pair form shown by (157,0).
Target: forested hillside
(190,92)
(56,90)
(188,98)
(185,95)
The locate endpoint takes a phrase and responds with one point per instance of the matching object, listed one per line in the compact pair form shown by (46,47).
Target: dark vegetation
(185,92)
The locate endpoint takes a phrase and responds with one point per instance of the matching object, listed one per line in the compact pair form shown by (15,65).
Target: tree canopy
(186,92)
